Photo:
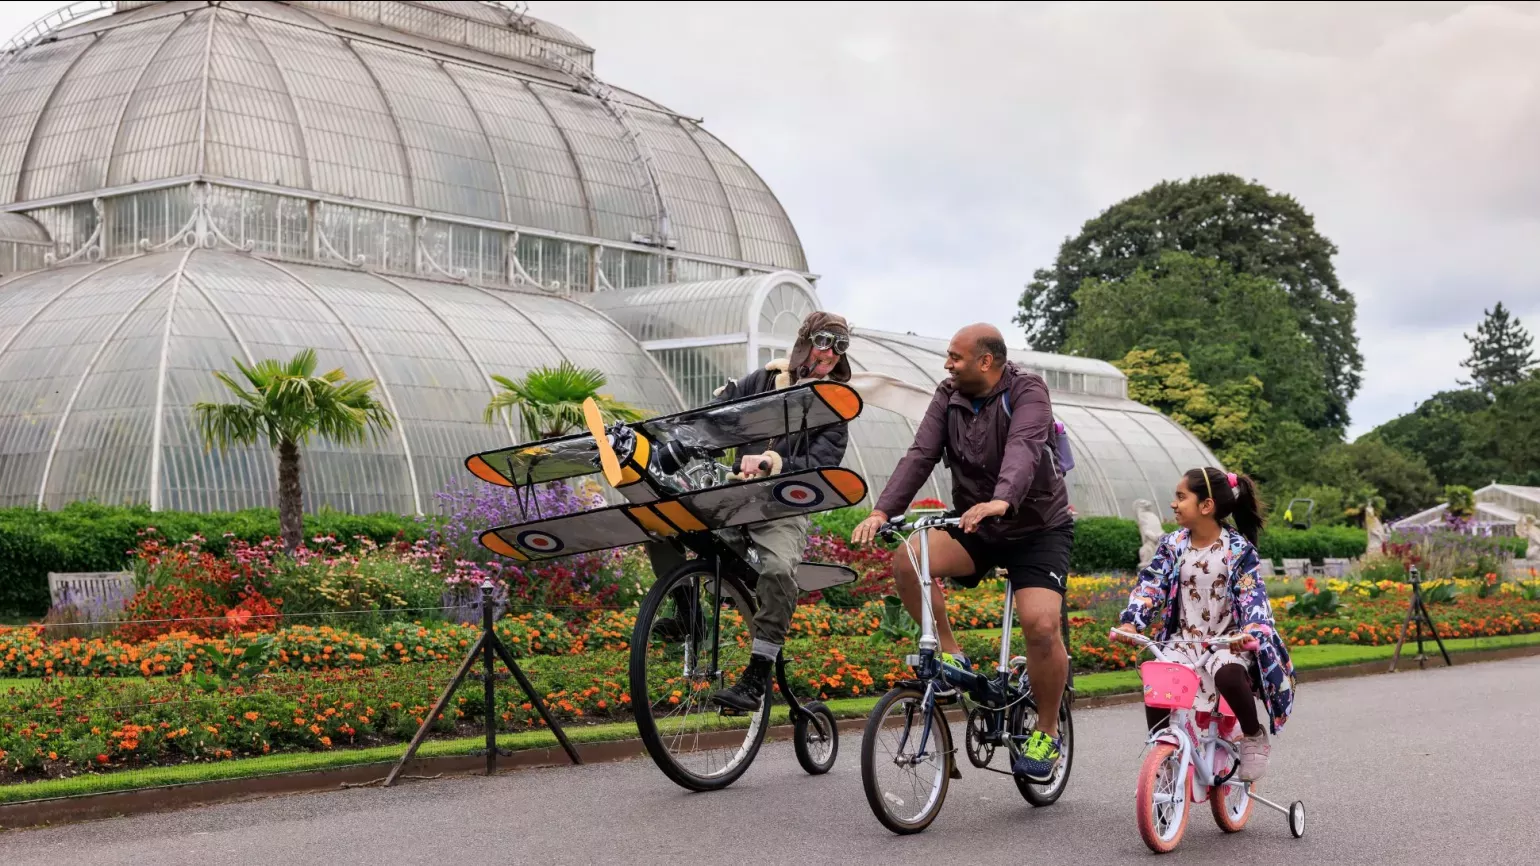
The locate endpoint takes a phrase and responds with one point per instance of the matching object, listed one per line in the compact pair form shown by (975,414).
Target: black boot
(748,693)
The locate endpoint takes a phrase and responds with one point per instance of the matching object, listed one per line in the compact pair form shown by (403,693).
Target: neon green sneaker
(1039,759)
(958,661)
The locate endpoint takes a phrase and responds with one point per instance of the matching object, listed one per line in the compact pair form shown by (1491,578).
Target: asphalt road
(1433,767)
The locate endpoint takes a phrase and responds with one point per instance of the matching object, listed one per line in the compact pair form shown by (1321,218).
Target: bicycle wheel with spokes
(690,643)
(906,760)
(1161,799)
(1023,720)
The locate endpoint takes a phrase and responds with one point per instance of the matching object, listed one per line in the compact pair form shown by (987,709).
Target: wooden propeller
(607,459)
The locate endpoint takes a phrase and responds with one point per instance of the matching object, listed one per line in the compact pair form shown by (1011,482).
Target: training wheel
(1297,819)
(816,738)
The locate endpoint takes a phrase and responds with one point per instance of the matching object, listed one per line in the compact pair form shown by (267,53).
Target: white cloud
(929,178)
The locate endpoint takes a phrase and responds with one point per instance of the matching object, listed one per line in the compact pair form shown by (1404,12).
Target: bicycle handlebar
(1246,641)
(900,523)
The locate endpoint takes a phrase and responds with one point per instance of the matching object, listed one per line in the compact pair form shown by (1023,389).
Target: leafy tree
(1246,226)
(1228,419)
(1512,425)
(1230,326)
(1500,352)
(549,401)
(286,405)
(1402,480)
(1451,432)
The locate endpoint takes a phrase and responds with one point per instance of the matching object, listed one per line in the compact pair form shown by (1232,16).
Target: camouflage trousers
(779,545)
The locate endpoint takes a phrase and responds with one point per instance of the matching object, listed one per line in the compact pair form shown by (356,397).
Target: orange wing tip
(680,516)
(841,398)
(483,470)
(847,484)
(495,543)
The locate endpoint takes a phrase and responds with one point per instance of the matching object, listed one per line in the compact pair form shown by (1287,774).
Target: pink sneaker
(1254,753)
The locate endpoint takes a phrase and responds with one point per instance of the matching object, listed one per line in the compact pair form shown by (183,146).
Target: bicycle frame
(994,693)
(1199,745)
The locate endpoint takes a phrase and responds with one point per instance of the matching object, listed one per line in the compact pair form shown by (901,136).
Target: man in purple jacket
(993,422)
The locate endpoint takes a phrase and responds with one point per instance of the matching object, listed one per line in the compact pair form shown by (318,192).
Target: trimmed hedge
(1104,544)
(1315,544)
(89,537)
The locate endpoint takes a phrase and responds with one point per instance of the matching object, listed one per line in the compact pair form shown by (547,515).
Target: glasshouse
(429,195)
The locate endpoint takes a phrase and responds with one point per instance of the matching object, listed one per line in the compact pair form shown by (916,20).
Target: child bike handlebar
(1244,640)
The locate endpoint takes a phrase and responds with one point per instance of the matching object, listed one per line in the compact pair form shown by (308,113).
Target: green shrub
(1105,544)
(90,537)
(1315,544)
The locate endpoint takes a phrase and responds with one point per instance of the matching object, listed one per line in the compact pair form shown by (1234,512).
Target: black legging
(1234,683)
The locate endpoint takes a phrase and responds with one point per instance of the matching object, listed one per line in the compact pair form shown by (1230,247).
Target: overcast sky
(933,155)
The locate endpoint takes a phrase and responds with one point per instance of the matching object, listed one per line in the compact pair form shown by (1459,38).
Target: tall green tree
(1228,419)
(1231,327)
(549,401)
(1500,352)
(1248,227)
(1451,433)
(285,405)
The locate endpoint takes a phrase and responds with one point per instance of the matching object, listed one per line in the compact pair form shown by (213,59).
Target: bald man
(993,423)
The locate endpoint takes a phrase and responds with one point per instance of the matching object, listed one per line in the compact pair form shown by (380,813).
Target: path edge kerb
(39,813)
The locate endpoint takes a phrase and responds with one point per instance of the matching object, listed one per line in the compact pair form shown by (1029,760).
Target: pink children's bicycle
(1193,758)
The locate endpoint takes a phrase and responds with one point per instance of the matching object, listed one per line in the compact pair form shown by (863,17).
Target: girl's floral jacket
(1159,583)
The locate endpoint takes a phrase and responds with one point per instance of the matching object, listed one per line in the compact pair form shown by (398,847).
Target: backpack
(1057,448)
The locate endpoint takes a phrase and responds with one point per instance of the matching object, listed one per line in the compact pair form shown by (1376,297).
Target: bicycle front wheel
(691,642)
(1162,798)
(906,760)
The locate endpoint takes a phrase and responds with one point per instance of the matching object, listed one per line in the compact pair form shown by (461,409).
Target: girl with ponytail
(1203,583)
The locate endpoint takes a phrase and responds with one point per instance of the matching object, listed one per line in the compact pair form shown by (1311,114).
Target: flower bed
(322,688)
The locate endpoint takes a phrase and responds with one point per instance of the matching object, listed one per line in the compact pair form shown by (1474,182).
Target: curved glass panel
(81,351)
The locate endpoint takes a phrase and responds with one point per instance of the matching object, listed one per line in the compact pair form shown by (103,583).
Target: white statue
(1530,528)
(1150,530)
(1375,529)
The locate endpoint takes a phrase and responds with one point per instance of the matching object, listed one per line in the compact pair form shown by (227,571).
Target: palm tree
(549,401)
(287,404)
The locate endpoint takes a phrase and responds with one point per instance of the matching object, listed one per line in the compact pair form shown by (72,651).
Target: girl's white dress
(1206,613)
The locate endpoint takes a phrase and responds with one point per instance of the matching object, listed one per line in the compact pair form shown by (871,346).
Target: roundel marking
(539,542)
(798,494)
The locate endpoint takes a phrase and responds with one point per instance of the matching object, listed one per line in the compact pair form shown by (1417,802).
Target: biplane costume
(778,544)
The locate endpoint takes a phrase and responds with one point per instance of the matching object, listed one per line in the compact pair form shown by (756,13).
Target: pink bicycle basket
(1168,686)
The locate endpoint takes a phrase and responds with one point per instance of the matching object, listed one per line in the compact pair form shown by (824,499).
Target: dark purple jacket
(991,456)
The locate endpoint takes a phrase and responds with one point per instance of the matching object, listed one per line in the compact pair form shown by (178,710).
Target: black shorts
(1041,560)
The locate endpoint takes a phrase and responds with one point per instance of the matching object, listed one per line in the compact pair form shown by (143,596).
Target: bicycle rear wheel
(1023,721)
(905,779)
(673,679)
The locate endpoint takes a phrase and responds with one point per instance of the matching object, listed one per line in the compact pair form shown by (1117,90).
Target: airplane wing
(737,504)
(537,462)
(715,427)
(720,426)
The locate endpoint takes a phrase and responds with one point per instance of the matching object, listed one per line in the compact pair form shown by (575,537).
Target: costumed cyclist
(993,422)
(818,353)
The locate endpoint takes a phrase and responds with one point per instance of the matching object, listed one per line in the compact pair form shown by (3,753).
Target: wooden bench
(1296,567)
(1336,567)
(97,591)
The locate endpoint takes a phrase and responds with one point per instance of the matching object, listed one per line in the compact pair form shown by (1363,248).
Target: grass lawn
(1088,685)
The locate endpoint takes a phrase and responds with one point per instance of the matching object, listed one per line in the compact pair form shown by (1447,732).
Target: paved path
(1436,767)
